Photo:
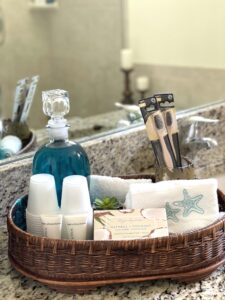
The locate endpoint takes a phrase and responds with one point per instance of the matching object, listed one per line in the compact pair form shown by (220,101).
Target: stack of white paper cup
(42,200)
(75,201)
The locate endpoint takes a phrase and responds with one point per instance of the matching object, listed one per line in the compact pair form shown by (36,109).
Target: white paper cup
(42,197)
(34,225)
(75,195)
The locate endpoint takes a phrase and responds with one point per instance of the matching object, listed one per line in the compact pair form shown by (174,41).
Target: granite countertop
(107,157)
(15,286)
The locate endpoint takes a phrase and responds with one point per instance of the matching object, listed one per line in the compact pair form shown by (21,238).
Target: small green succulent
(106,203)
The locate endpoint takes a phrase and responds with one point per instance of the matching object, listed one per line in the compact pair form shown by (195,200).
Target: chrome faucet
(194,139)
(133,113)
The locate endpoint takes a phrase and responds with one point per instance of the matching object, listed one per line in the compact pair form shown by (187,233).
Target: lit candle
(126,59)
(142,83)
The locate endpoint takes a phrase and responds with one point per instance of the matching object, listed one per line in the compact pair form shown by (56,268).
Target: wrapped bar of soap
(128,224)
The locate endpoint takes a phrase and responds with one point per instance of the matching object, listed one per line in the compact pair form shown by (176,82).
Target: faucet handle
(200,119)
(131,108)
(194,137)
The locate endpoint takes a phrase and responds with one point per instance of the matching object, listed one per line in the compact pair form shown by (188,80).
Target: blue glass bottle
(60,157)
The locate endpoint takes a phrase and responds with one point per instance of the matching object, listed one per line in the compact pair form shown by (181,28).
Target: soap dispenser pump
(60,157)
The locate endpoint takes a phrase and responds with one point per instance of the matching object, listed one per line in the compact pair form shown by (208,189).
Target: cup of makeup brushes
(187,171)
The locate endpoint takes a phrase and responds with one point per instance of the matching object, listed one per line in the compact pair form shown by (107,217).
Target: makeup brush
(157,132)
(19,99)
(166,105)
(29,98)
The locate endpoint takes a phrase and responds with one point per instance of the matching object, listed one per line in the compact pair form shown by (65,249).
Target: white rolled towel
(106,186)
(190,204)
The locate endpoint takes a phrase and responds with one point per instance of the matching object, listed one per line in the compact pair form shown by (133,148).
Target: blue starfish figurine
(171,213)
(190,204)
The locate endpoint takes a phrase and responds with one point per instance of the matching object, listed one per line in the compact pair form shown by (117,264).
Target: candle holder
(142,94)
(142,85)
(127,94)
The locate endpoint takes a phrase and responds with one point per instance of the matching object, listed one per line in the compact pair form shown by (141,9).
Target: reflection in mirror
(107,55)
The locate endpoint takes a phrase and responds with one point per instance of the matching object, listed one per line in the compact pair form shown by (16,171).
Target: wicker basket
(76,266)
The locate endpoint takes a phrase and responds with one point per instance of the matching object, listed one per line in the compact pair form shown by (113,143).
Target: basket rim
(172,239)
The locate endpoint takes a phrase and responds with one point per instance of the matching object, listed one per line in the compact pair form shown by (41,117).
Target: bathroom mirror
(75,45)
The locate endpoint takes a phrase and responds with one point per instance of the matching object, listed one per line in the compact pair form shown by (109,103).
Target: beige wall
(179,33)
(180,46)
(75,48)
(191,86)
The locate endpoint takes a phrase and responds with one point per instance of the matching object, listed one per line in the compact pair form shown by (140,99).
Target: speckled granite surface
(125,152)
(15,286)
(121,153)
